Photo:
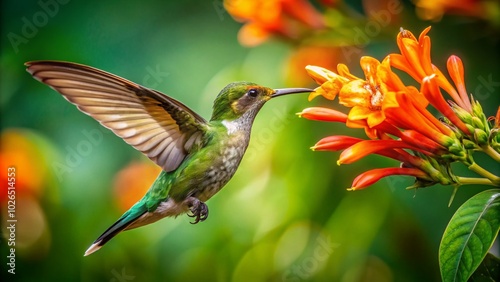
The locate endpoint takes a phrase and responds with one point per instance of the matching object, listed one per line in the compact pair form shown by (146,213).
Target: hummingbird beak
(286,91)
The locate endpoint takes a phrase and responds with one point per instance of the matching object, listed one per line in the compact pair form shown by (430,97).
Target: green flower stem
(483,172)
(475,180)
(491,152)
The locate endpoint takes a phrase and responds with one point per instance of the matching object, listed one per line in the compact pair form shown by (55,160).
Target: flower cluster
(435,9)
(264,18)
(397,120)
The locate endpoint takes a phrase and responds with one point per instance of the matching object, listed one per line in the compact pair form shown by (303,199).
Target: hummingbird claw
(198,209)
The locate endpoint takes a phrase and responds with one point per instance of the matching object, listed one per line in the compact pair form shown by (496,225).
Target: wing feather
(160,127)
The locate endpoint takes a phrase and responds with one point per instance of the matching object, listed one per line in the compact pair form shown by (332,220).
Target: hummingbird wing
(159,126)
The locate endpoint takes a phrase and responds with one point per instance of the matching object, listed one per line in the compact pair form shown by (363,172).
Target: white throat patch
(231,126)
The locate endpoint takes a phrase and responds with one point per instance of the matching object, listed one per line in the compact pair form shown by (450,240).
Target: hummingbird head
(240,98)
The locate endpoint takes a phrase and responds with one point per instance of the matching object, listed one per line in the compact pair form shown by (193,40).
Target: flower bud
(477,123)
(323,114)
(470,127)
(477,110)
(468,145)
(462,114)
(481,137)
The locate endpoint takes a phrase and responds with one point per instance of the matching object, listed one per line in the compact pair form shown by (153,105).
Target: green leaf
(469,235)
(488,270)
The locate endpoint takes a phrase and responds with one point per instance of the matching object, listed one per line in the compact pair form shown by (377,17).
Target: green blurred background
(286,214)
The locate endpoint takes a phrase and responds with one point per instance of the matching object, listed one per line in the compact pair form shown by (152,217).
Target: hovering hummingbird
(198,157)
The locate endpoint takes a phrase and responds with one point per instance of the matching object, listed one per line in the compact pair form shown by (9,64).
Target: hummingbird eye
(252,92)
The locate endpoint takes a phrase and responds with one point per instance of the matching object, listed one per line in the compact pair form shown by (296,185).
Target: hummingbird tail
(121,224)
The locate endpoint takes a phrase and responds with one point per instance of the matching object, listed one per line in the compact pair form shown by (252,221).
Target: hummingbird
(197,157)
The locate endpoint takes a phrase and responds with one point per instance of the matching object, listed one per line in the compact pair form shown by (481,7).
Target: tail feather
(121,224)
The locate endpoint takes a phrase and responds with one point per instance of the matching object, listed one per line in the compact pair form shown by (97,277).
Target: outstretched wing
(160,127)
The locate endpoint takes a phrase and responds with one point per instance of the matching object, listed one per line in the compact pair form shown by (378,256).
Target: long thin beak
(286,91)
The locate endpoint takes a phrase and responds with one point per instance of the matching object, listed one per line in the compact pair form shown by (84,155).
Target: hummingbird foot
(198,209)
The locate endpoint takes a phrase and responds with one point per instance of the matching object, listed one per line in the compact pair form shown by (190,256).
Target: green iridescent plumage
(198,157)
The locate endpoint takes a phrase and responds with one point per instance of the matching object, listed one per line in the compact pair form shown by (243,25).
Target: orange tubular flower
(415,60)
(340,142)
(367,98)
(382,95)
(366,147)
(431,89)
(266,18)
(370,177)
(411,139)
(409,117)
(335,143)
(396,117)
(323,114)
(435,9)
(456,71)
(330,82)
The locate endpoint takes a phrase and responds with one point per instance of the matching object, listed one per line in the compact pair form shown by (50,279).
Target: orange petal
(335,143)
(372,118)
(257,11)
(323,114)
(390,79)
(343,71)
(367,147)
(416,96)
(317,92)
(417,139)
(372,133)
(403,33)
(322,75)
(354,93)
(329,90)
(370,177)
(390,101)
(424,33)
(425,54)
(400,62)
(431,91)
(446,86)
(359,113)
(252,34)
(360,124)
(408,117)
(376,118)
(402,156)
(304,12)
(370,66)
(319,74)
(497,119)
(412,54)
(456,71)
